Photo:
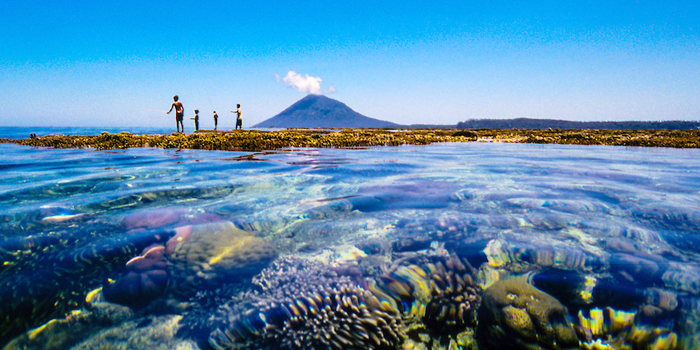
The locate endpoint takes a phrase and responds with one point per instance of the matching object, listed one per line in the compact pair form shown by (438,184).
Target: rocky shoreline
(254,140)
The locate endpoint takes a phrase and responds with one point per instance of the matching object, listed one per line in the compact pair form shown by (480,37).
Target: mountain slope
(318,111)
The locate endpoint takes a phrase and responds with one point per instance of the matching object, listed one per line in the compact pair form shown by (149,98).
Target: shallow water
(24,132)
(626,219)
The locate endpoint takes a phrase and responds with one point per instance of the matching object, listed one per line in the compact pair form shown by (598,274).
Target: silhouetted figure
(196,119)
(239,120)
(179,113)
(216,120)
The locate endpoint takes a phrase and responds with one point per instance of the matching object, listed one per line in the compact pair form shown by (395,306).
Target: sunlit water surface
(593,226)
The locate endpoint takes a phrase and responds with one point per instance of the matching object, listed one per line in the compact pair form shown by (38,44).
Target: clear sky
(102,63)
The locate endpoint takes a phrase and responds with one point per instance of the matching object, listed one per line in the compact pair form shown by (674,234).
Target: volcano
(318,111)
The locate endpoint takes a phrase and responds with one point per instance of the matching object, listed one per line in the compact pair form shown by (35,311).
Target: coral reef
(44,276)
(215,252)
(345,318)
(151,333)
(136,289)
(305,305)
(437,291)
(425,299)
(518,256)
(250,140)
(603,323)
(612,329)
(454,297)
(253,140)
(645,138)
(62,333)
(196,257)
(516,315)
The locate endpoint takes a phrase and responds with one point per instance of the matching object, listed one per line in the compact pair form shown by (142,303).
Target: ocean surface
(23,132)
(308,248)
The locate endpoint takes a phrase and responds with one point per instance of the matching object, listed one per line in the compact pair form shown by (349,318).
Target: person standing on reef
(239,120)
(216,120)
(179,113)
(196,119)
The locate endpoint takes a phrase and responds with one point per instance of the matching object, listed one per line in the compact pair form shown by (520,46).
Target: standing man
(196,119)
(239,121)
(179,113)
(216,120)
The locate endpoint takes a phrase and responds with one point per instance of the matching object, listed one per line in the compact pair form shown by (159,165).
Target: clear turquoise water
(628,217)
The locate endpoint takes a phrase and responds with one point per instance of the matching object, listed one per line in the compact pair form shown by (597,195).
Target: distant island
(317,121)
(318,111)
(528,123)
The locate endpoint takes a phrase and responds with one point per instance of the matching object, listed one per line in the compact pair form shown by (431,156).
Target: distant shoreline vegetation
(528,123)
(255,140)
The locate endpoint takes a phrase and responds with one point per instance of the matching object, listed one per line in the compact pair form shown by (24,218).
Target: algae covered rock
(516,315)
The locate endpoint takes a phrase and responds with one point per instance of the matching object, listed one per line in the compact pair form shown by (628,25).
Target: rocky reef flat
(255,140)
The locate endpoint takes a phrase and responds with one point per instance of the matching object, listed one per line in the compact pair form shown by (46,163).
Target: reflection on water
(424,247)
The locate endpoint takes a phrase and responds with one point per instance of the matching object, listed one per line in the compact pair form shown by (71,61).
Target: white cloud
(331,89)
(306,83)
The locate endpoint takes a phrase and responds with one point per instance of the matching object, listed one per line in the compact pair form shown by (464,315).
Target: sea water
(594,226)
(23,132)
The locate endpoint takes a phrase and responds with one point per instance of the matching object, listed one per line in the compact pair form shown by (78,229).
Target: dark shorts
(179,117)
(239,122)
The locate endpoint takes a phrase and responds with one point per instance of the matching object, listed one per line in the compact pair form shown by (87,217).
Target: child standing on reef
(196,119)
(239,120)
(216,120)
(179,113)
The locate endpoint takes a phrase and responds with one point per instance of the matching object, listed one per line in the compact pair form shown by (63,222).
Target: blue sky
(101,63)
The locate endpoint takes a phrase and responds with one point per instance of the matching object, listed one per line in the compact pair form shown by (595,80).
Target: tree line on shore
(529,123)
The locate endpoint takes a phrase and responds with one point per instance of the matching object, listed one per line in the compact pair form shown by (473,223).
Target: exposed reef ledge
(254,140)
